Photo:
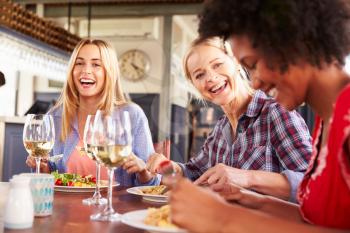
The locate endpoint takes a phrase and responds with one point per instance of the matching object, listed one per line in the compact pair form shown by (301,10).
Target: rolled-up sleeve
(294,179)
(291,140)
(154,181)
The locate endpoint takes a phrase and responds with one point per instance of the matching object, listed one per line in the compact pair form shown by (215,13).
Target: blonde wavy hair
(217,42)
(242,84)
(111,95)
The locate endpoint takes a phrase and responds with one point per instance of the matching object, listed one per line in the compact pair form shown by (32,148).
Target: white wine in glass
(38,148)
(113,145)
(113,155)
(90,151)
(38,136)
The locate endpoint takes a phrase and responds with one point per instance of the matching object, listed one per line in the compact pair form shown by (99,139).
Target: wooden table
(70,215)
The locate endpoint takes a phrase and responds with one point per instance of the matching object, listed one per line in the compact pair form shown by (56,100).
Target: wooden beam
(62,2)
(110,11)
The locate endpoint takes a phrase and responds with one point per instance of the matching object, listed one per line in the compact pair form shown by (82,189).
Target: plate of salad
(69,182)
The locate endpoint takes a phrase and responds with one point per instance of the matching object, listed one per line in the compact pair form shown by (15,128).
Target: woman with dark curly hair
(296,48)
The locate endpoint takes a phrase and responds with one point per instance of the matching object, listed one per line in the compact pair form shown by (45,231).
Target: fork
(167,170)
(55,158)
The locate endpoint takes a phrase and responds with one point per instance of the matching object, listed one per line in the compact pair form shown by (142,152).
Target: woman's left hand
(134,164)
(222,174)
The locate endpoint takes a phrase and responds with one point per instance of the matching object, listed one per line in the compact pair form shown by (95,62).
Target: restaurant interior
(37,38)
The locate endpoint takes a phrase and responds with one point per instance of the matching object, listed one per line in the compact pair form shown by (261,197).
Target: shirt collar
(253,110)
(256,104)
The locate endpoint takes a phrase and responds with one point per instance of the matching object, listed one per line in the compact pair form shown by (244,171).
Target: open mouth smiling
(86,81)
(218,87)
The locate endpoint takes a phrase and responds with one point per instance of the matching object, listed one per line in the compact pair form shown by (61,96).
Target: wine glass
(90,150)
(38,136)
(112,138)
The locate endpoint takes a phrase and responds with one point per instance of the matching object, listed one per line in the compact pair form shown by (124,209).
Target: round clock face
(134,65)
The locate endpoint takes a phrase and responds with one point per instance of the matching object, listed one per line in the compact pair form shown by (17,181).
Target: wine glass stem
(37,162)
(97,193)
(109,208)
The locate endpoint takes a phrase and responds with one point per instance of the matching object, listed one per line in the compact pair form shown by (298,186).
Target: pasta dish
(155,190)
(159,217)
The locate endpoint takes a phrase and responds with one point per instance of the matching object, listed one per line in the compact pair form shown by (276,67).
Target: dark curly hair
(283,30)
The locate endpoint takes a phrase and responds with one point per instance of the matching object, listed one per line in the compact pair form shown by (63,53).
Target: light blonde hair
(110,96)
(218,43)
(242,85)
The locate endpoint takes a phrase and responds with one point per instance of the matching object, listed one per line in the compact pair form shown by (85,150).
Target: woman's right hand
(44,166)
(153,162)
(156,159)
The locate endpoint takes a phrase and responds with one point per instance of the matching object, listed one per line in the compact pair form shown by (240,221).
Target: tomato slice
(58,182)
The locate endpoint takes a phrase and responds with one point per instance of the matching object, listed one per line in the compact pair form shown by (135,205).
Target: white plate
(156,199)
(148,197)
(135,219)
(72,189)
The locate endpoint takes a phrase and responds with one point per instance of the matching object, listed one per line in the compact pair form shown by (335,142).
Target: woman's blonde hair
(110,95)
(218,43)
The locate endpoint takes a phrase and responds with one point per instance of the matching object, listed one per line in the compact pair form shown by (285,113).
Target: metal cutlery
(55,158)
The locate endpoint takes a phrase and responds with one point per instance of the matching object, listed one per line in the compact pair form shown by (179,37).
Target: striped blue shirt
(142,145)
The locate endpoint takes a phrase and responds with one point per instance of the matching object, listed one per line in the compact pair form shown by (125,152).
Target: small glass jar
(19,211)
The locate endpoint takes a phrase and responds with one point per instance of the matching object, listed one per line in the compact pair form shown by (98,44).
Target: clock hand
(136,67)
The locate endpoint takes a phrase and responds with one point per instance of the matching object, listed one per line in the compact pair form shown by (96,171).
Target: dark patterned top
(269,138)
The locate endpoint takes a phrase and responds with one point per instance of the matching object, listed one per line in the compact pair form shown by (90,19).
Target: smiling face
(288,88)
(88,72)
(212,72)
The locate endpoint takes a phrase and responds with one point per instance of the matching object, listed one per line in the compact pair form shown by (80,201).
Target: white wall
(8,91)
(20,61)
(154,49)
(25,92)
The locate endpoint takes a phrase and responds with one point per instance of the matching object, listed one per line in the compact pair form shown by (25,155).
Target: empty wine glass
(38,136)
(112,138)
(90,151)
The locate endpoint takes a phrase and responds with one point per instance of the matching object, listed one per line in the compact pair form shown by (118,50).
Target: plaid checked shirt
(269,138)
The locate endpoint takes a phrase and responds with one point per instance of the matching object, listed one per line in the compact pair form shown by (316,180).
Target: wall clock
(134,65)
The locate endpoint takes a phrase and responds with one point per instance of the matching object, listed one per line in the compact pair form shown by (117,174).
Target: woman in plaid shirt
(299,49)
(258,144)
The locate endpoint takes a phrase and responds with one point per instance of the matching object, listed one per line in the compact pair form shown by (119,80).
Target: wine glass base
(95,201)
(115,217)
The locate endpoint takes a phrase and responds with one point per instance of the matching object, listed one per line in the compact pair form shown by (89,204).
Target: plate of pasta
(155,220)
(150,193)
